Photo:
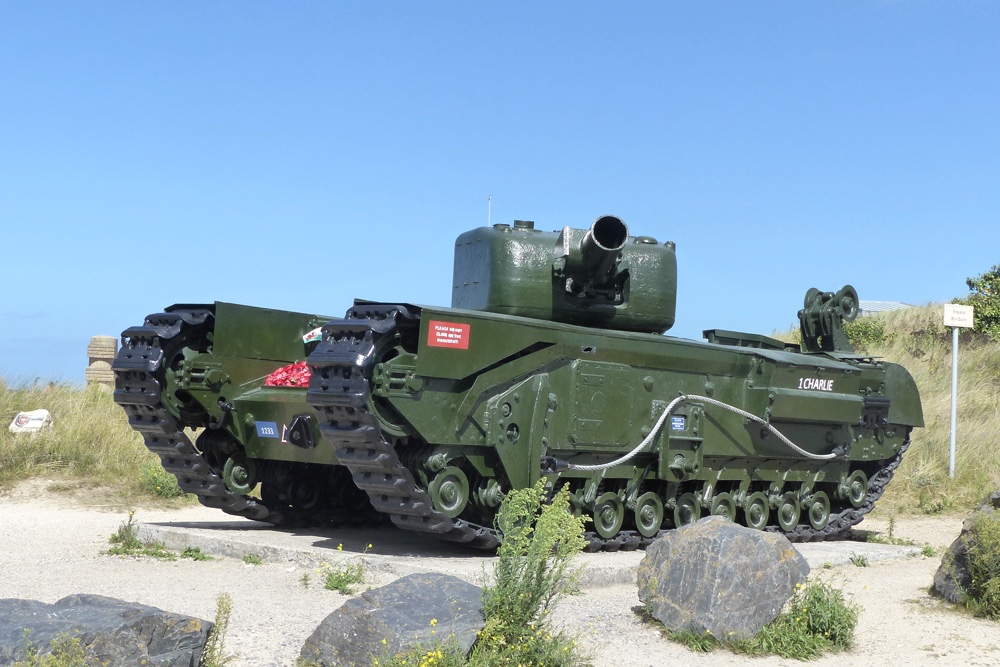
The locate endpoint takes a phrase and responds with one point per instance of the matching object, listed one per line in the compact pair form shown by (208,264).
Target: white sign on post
(957,317)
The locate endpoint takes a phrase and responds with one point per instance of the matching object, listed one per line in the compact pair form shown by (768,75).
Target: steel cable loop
(648,440)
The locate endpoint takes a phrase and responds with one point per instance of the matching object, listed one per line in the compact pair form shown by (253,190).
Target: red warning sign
(448,334)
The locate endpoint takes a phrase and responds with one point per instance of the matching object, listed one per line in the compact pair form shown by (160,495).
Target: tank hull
(459,406)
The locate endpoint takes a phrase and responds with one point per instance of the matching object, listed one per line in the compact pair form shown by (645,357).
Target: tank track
(138,368)
(340,392)
(842,522)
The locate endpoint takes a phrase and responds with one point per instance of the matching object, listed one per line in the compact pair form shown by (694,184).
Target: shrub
(983,543)
(158,482)
(65,651)
(866,333)
(214,654)
(818,620)
(533,572)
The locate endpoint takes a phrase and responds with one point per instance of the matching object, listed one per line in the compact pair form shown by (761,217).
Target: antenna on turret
(489,209)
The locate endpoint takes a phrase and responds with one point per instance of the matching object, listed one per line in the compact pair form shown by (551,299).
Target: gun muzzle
(601,247)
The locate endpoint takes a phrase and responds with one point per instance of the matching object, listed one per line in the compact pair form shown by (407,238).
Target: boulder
(419,610)
(992,500)
(111,632)
(953,579)
(716,576)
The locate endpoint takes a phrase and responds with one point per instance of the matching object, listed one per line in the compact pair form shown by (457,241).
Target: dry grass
(90,444)
(920,342)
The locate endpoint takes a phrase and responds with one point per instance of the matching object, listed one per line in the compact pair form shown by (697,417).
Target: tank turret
(596,277)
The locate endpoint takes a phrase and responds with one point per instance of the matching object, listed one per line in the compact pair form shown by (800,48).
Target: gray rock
(718,576)
(992,500)
(953,579)
(110,631)
(414,611)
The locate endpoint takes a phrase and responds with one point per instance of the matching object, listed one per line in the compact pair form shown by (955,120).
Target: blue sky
(299,155)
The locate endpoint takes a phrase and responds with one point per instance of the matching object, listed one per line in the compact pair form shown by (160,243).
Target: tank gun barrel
(600,249)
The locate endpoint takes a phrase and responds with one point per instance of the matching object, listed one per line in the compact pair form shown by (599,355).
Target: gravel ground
(54,545)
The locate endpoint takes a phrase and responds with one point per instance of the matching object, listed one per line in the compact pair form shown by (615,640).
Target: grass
(195,553)
(253,559)
(343,577)
(818,620)
(921,343)
(434,656)
(889,536)
(859,560)
(90,444)
(125,542)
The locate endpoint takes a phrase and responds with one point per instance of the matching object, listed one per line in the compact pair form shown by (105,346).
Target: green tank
(551,363)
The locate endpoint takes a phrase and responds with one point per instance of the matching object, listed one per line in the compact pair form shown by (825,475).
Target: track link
(139,373)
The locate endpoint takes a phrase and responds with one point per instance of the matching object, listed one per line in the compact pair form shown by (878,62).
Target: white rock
(32,421)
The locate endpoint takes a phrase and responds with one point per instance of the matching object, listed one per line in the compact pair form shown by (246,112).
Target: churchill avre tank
(550,363)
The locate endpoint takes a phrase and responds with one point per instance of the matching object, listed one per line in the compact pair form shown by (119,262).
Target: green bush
(344,577)
(533,572)
(866,333)
(158,482)
(983,544)
(65,651)
(985,298)
(818,620)
(125,542)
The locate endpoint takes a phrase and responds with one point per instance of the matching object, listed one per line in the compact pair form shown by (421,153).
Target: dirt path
(52,546)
